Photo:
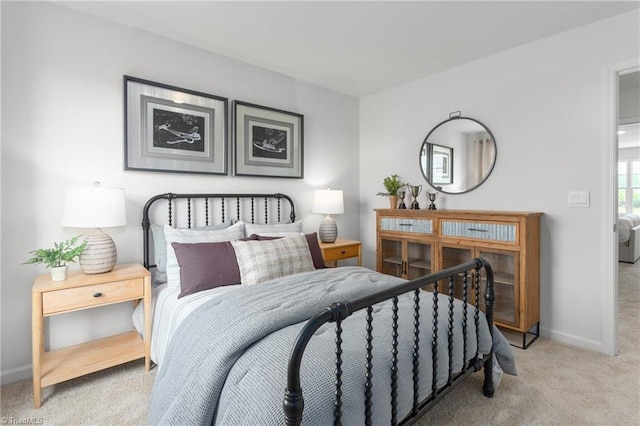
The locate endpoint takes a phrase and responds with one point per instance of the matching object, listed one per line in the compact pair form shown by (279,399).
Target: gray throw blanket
(227,362)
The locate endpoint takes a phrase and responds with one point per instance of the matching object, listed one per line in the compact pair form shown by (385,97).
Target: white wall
(62,110)
(544,103)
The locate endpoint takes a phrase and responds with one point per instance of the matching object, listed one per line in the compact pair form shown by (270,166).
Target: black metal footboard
(462,282)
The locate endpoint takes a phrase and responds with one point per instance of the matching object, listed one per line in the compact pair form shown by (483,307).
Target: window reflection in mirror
(457,155)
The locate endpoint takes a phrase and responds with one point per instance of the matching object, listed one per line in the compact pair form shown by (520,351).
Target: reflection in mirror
(457,155)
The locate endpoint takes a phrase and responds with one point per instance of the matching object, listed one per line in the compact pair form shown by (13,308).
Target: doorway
(610,341)
(628,132)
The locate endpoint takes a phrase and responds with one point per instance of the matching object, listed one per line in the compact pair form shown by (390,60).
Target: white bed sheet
(626,222)
(168,312)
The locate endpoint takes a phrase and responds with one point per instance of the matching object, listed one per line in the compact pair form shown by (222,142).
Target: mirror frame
(422,148)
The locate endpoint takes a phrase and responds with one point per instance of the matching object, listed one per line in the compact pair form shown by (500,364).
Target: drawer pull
(477,230)
(98,294)
(405,224)
(343,252)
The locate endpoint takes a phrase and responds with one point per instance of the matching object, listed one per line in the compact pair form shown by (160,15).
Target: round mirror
(457,155)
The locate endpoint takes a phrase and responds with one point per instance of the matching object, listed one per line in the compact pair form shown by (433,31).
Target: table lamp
(95,207)
(328,202)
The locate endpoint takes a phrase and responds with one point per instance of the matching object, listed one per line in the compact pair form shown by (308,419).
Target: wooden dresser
(413,243)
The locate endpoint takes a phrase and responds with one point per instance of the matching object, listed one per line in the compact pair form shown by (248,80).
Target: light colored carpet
(557,385)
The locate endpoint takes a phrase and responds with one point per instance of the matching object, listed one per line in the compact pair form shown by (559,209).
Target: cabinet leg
(528,337)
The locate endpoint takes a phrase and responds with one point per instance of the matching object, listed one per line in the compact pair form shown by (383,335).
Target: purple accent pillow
(204,266)
(312,242)
(314,249)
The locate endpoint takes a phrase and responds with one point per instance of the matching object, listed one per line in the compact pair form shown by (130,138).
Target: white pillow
(173,235)
(160,244)
(261,261)
(274,229)
(159,247)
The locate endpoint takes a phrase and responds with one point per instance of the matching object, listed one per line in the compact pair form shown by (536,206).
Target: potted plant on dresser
(392,184)
(57,257)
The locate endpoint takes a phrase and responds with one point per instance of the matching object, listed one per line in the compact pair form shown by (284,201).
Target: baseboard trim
(571,339)
(16,374)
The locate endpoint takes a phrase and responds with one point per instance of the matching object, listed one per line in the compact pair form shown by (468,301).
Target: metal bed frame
(202,208)
(461,280)
(293,404)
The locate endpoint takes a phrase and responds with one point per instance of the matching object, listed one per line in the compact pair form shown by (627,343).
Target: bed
(628,238)
(350,345)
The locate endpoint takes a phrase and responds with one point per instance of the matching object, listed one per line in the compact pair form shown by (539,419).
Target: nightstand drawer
(94,295)
(338,253)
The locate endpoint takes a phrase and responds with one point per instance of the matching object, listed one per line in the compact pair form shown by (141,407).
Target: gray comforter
(227,362)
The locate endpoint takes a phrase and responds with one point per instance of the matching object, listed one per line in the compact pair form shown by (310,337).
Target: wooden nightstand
(341,249)
(80,291)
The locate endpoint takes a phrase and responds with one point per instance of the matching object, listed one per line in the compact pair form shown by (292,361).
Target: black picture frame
(267,141)
(171,129)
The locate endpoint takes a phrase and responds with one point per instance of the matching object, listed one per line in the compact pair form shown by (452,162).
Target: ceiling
(357,47)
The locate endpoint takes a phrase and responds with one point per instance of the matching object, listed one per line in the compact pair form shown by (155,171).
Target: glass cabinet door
(505,285)
(405,259)
(505,280)
(391,262)
(418,259)
(451,256)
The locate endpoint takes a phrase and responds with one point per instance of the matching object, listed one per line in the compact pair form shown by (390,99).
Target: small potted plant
(57,257)
(392,184)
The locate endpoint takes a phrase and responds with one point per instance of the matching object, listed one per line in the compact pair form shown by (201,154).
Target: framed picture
(169,129)
(268,141)
(441,164)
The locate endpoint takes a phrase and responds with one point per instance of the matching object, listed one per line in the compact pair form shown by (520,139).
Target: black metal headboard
(208,209)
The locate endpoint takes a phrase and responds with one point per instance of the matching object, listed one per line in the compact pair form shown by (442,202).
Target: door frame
(610,204)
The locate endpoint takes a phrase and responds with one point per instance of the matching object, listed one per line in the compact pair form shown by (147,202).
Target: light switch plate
(579,199)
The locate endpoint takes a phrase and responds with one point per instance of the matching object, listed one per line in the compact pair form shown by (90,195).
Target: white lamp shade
(328,201)
(94,207)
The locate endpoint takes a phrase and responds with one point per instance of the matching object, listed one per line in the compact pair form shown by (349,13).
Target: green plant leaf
(61,253)
(392,184)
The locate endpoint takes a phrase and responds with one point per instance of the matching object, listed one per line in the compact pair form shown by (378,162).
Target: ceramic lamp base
(328,231)
(100,256)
